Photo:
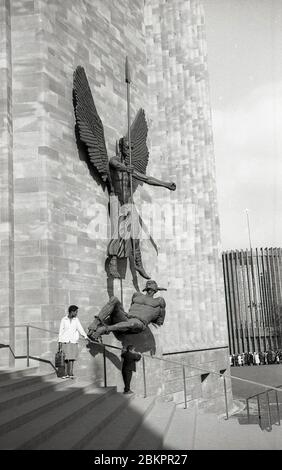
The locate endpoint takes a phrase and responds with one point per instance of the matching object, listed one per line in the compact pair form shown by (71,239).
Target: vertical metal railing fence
(259,399)
(144,376)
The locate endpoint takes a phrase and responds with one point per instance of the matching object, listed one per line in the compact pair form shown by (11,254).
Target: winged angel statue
(122,173)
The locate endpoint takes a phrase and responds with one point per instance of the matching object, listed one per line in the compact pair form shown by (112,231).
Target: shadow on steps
(46,412)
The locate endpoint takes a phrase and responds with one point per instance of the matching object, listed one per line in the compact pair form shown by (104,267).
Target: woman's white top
(70,329)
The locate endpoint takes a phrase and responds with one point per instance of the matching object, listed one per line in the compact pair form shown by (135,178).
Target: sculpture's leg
(104,314)
(132,325)
(117,245)
(134,273)
(112,253)
(113,269)
(135,232)
(138,261)
(118,315)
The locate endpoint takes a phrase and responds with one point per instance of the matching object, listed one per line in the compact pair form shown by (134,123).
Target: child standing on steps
(70,328)
(130,357)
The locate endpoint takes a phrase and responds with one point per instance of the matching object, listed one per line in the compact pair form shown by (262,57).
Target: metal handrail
(265,391)
(178,363)
(159,358)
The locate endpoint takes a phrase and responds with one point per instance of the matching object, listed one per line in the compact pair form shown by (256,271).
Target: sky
(244,40)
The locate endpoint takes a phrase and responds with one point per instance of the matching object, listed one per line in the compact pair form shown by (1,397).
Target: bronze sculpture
(122,173)
(144,309)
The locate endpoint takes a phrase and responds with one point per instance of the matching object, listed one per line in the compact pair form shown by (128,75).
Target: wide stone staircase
(40,411)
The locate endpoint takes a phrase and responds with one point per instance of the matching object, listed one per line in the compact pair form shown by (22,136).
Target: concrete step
(80,432)
(16,372)
(119,431)
(63,391)
(29,392)
(34,432)
(26,380)
(151,434)
(182,430)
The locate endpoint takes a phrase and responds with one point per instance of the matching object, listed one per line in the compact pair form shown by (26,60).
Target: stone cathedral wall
(53,210)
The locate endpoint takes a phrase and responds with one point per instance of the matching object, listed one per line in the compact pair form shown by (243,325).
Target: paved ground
(270,375)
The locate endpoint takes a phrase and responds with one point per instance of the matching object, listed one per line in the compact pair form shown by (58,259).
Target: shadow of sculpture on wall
(97,349)
(143,342)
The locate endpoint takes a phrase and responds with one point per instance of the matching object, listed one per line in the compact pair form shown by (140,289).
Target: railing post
(184,389)
(277,405)
(105,366)
(27,345)
(248,410)
(144,377)
(225,396)
(268,411)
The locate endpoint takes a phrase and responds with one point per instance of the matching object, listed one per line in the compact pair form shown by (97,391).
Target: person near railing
(70,329)
(130,357)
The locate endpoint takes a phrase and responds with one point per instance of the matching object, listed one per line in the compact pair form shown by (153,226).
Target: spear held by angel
(122,173)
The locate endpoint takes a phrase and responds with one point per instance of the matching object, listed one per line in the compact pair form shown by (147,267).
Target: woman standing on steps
(70,328)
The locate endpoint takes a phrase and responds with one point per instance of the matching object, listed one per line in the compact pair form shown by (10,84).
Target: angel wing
(90,127)
(139,151)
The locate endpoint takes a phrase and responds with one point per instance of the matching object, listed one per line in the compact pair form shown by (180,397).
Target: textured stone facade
(57,259)
(7,311)
(182,147)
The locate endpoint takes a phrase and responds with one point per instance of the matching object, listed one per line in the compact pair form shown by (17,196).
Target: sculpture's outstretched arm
(160,320)
(153,181)
(118,165)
